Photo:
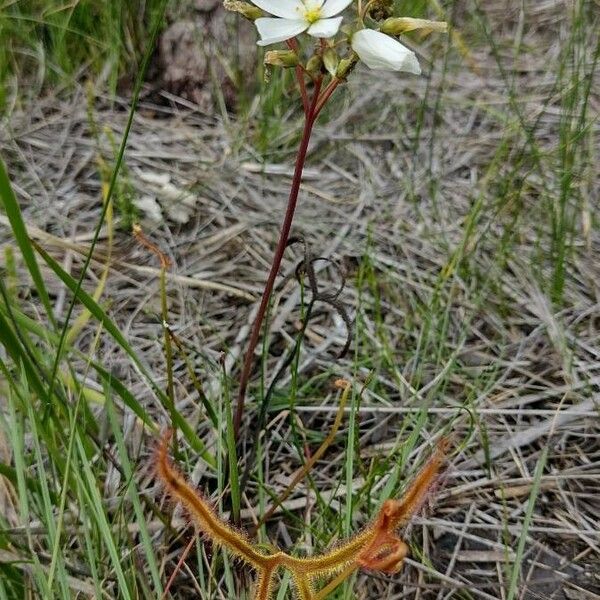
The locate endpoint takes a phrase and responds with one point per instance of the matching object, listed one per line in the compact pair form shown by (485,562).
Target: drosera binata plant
(377,547)
(322,54)
(322,60)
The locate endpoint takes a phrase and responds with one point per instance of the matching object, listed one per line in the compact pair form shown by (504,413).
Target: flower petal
(333,7)
(325,28)
(277,30)
(287,9)
(380,51)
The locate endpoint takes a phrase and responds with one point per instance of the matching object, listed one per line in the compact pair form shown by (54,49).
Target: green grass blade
(20,358)
(535,488)
(48,504)
(158,19)
(234,480)
(95,505)
(114,331)
(13,212)
(134,496)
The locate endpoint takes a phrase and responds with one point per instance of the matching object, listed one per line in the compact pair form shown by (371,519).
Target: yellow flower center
(312,12)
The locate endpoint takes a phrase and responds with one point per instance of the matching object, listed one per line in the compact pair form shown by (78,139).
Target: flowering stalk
(320,19)
(312,110)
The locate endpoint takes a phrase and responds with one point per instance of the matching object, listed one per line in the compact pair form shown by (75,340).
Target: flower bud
(314,64)
(345,66)
(245,9)
(400,25)
(281,58)
(330,61)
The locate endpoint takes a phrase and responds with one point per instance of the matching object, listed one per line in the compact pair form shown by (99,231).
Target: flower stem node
(245,9)
(400,25)
(281,58)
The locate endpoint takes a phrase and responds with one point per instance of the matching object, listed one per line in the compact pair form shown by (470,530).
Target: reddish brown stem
(293,45)
(302,86)
(309,120)
(326,95)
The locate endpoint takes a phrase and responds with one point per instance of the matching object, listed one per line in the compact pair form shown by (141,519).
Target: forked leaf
(377,547)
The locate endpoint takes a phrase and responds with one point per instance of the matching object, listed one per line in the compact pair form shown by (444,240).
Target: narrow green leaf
(134,497)
(13,212)
(20,358)
(535,488)
(94,503)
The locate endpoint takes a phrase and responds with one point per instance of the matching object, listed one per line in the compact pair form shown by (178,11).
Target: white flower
(296,16)
(380,51)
